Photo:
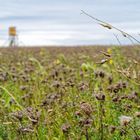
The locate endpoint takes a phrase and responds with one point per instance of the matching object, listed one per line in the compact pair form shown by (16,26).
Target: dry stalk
(109,26)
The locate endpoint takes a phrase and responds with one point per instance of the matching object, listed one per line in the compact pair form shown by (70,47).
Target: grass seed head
(100,96)
(65,127)
(112,129)
(137,114)
(86,108)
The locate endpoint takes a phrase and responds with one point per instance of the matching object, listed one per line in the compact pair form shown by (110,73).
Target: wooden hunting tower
(13,37)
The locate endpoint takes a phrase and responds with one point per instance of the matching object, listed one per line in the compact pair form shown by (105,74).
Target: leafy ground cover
(87,93)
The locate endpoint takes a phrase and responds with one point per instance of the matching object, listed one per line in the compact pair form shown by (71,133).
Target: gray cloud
(48,22)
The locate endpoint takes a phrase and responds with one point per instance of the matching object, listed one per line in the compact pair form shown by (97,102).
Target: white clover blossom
(125,120)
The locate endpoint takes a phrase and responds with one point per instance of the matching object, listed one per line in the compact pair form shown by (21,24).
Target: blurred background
(45,22)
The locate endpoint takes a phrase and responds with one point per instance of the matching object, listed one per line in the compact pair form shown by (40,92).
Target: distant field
(74,93)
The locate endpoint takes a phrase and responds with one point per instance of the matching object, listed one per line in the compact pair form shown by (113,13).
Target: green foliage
(70,94)
(3,133)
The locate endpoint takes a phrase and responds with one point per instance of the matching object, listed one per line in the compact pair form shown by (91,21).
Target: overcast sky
(59,22)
